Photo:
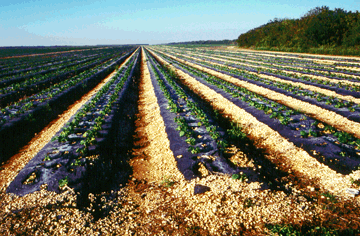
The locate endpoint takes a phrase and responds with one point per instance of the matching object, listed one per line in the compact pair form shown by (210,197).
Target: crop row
(26,66)
(260,60)
(18,76)
(48,64)
(332,83)
(16,91)
(21,119)
(266,131)
(24,52)
(197,130)
(336,148)
(320,97)
(313,110)
(40,65)
(321,78)
(84,143)
(29,86)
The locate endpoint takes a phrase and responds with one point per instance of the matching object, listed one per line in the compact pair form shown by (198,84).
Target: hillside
(321,30)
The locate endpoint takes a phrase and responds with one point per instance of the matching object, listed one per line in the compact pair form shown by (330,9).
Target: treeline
(321,30)
(225,41)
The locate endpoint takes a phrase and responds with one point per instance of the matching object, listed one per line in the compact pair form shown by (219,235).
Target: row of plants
(253,60)
(236,69)
(300,124)
(17,91)
(235,137)
(280,61)
(74,67)
(336,103)
(195,126)
(92,115)
(273,68)
(26,65)
(297,90)
(18,63)
(281,57)
(23,51)
(270,69)
(318,62)
(18,81)
(44,66)
(79,57)
(25,105)
(19,121)
(177,97)
(77,150)
(344,60)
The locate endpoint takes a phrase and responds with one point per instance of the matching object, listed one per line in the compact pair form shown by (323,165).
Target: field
(174,140)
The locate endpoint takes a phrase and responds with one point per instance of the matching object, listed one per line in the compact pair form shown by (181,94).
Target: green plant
(235,132)
(241,176)
(339,105)
(191,141)
(315,123)
(303,133)
(330,197)
(284,120)
(329,128)
(343,137)
(47,158)
(343,154)
(287,230)
(76,163)
(167,182)
(248,202)
(312,133)
(194,150)
(63,182)
(273,115)
(356,182)
(351,109)
(222,143)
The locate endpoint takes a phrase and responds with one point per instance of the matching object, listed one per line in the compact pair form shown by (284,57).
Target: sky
(92,22)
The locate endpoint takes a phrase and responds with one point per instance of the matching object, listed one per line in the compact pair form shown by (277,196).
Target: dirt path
(154,159)
(11,168)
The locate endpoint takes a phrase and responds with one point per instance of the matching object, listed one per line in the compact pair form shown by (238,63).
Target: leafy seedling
(63,182)
(167,182)
(242,177)
(303,133)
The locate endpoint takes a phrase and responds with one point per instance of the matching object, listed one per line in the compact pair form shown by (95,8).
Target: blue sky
(80,22)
